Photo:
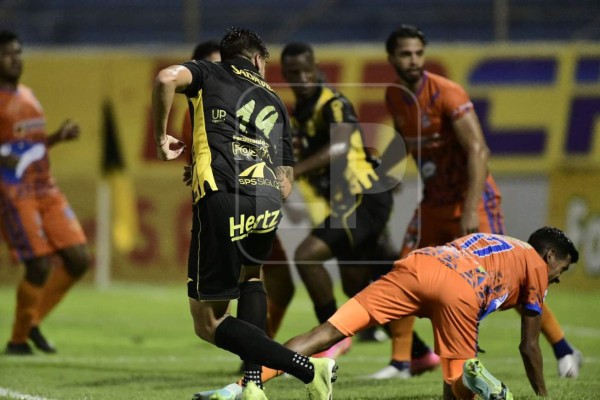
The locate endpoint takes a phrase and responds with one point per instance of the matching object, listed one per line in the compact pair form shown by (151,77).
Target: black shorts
(354,231)
(228,231)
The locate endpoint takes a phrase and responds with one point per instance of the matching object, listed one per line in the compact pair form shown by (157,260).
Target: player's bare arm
(69,130)
(469,134)
(171,80)
(531,353)
(285,176)
(337,147)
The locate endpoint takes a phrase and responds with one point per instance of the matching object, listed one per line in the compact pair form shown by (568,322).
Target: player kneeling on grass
(456,286)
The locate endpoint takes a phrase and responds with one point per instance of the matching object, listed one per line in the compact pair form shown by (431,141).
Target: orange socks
(452,370)
(28,297)
(401,331)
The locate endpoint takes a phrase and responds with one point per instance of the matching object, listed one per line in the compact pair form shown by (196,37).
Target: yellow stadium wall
(574,204)
(538,111)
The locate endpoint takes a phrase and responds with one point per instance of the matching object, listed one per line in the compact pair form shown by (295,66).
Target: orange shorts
(39,226)
(419,285)
(437,225)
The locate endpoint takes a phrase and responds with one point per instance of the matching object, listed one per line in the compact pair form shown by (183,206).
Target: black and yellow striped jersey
(240,130)
(312,122)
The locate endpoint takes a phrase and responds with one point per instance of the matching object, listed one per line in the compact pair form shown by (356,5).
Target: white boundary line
(19,396)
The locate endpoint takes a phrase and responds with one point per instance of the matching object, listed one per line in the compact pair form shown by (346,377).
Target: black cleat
(40,341)
(18,349)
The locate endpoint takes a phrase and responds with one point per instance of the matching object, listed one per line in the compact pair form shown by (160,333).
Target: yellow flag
(124,216)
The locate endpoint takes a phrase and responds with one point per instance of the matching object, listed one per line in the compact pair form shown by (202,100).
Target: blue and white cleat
(230,392)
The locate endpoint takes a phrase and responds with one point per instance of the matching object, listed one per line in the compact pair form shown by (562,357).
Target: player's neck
(8,85)
(413,87)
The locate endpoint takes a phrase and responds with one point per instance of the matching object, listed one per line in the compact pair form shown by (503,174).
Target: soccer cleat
(320,387)
(391,372)
(482,383)
(428,362)
(18,349)
(253,392)
(232,391)
(338,349)
(568,366)
(40,341)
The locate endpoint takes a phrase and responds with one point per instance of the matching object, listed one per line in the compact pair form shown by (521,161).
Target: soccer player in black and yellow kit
(241,171)
(332,159)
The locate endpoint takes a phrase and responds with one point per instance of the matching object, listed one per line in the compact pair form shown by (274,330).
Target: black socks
(253,345)
(252,308)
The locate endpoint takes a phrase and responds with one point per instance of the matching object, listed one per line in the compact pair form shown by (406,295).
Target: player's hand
(169,148)
(69,130)
(187,175)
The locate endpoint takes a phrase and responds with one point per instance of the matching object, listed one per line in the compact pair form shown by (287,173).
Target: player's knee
(205,331)
(202,332)
(300,257)
(36,272)
(77,261)
(310,250)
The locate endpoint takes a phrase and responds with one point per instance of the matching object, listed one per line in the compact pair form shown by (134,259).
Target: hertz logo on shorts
(255,176)
(244,225)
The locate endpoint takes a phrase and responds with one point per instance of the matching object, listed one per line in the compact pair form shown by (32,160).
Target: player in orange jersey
(456,286)
(36,219)
(436,121)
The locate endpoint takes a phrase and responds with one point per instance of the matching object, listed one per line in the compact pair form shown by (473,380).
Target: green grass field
(136,342)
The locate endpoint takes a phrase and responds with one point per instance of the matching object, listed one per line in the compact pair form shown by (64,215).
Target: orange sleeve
(351,318)
(455,100)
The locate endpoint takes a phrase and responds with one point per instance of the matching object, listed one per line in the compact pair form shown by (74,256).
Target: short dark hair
(549,237)
(404,32)
(241,42)
(8,36)
(295,49)
(205,49)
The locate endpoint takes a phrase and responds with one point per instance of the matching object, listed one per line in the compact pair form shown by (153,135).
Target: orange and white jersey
(23,134)
(424,120)
(503,271)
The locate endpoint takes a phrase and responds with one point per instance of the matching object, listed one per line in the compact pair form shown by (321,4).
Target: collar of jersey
(243,63)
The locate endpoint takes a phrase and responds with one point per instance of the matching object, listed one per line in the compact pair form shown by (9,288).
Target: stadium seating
(115,22)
